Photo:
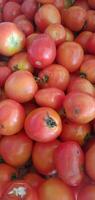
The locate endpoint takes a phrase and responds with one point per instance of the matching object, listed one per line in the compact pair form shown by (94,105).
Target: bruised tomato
(34,179)
(48,124)
(87,70)
(69,162)
(82,3)
(90,19)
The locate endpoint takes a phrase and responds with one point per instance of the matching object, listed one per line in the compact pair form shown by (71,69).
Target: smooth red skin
(46,15)
(88,57)
(24,84)
(83,39)
(90,18)
(20,61)
(91,4)
(75,132)
(82,3)
(45,165)
(29,107)
(30,38)
(16,149)
(29,8)
(12,116)
(91,44)
(87,193)
(42,51)
(25,26)
(6,172)
(77,107)
(57,32)
(10,44)
(69,160)
(34,179)
(74,18)
(70,55)
(69,35)
(87,68)
(59,77)
(50,97)
(42,132)
(56,188)
(81,85)
(10,11)
(90,161)
(4,74)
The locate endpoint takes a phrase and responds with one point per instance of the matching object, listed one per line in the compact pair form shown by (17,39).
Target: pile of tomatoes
(47,100)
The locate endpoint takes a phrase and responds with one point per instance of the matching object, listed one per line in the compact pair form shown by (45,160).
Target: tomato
(74,18)
(82,85)
(12,117)
(90,161)
(45,1)
(88,57)
(29,8)
(91,44)
(77,107)
(56,189)
(10,11)
(7,172)
(87,70)
(45,165)
(24,84)
(20,61)
(57,32)
(50,97)
(32,195)
(87,192)
(16,149)
(75,132)
(34,179)
(30,38)
(46,15)
(12,40)
(82,3)
(48,124)
(90,18)
(42,51)
(4,74)
(69,35)
(25,26)
(91,3)
(54,76)
(17,190)
(69,162)
(70,55)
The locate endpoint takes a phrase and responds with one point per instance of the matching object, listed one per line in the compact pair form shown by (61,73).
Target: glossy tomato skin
(42,51)
(87,70)
(54,76)
(57,188)
(18,146)
(77,107)
(11,43)
(46,15)
(45,165)
(4,74)
(75,132)
(24,84)
(70,55)
(7,172)
(34,179)
(29,8)
(69,162)
(48,124)
(90,161)
(87,192)
(50,97)
(12,116)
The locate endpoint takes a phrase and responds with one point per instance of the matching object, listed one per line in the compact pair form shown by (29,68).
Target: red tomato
(56,189)
(42,51)
(12,40)
(90,162)
(46,15)
(34,179)
(48,124)
(24,84)
(10,11)
(4,74)
(20,61)
(70,55)
(69,162)
(25,26)
(87,193)
(87,70)
(45,165)
(90,18)
(82,3)
(91,3)
(30,38)
(12,117)
(54,76)
(79,107)
(91,44)
(75,132)
(29,8)
(16,149)
(7,173)
(50,97)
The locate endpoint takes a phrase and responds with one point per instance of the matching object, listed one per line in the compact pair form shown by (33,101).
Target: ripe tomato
(34,179)
(29,8)
(91,3)
(79,107)
(16,149)
(20,61)
(91,44)
(45,165)
(56,189)
(24,84)
(12,117)
(4,74)
(30,38)
(70,55)
(25,26)
(48,124)
(87,70)
(7,173)
(12,40)
(90,161)
(90,19)
(82,3)
(69,162)
(54,76)
(75,132)
(87,192)
(42,51)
